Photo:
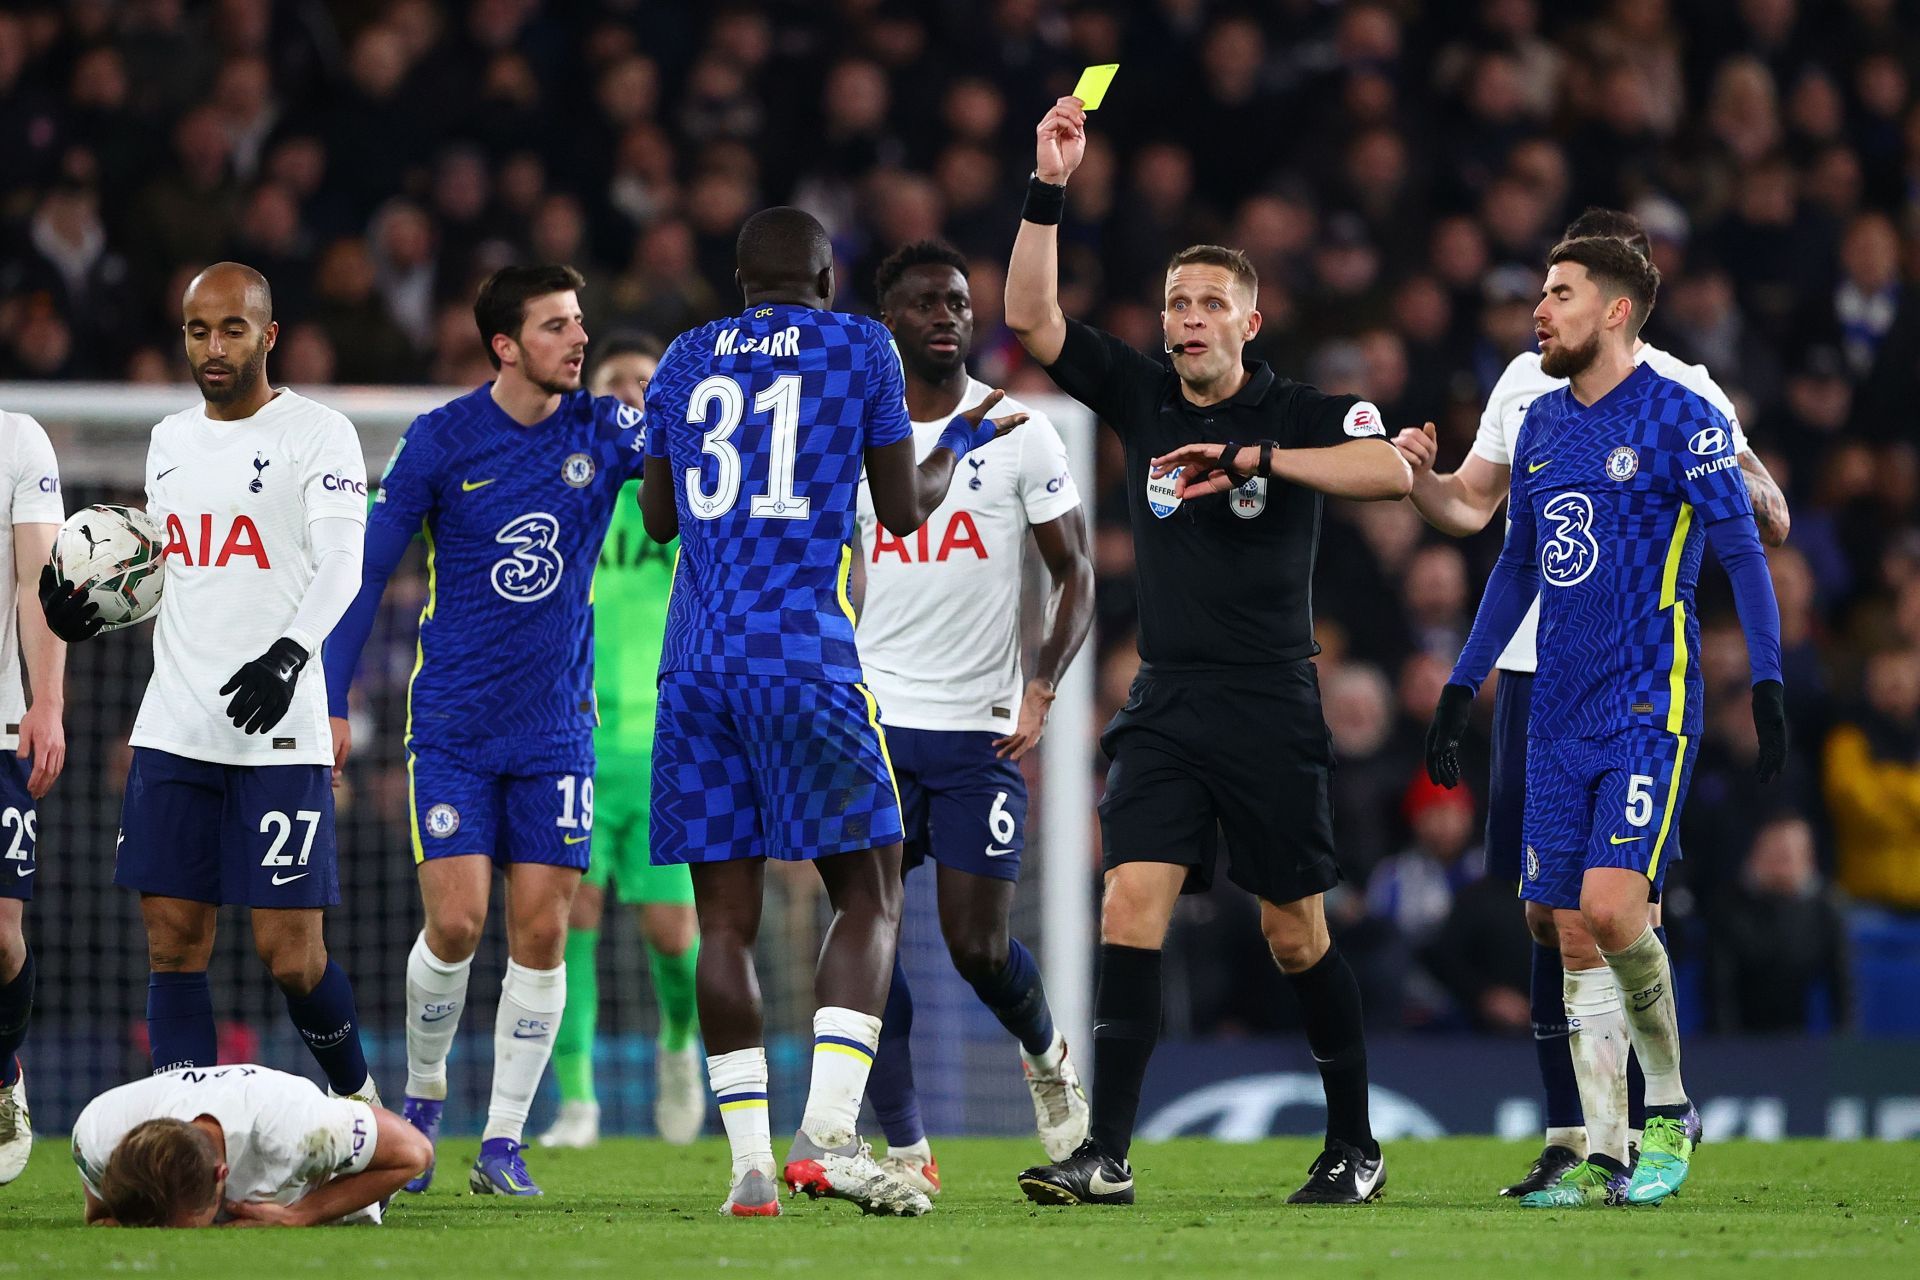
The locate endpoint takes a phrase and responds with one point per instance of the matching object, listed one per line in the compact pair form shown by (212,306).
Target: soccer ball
(115,555)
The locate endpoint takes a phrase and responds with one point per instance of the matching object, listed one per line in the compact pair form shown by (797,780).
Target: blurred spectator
(188,213)
(1414,888)
(1873,785)
(67,262)
(368,345)
(1359,710)
(1868,297)
(1777,949)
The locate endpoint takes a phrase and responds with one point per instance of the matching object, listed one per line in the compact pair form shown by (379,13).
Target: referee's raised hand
(1060,142)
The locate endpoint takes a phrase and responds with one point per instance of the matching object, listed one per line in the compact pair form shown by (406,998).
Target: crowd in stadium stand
(1396,170)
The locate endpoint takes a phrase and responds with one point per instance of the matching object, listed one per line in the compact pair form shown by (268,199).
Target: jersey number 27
(720,403)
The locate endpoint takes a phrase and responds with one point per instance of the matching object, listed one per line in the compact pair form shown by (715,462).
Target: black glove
(1770,724)
(265,686)
(1444,734)
(70,614)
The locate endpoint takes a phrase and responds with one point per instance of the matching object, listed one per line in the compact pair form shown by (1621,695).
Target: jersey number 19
(721,400)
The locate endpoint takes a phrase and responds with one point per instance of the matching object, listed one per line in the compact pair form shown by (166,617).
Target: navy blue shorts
(1507,776)
(239,835)
(19,829)
(960,804)
(537,813)
(768,767)
(1603,802)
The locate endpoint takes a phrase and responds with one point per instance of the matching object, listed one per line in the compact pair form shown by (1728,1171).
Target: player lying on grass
(239,1146)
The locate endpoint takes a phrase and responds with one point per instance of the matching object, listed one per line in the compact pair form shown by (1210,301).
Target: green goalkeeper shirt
(631,586)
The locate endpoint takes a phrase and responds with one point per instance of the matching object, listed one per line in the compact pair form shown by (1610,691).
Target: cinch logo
(961,535)
(342,484)
(49,484)
(241,539)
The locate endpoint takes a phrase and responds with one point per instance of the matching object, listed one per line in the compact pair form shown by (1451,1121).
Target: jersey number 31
(720,403)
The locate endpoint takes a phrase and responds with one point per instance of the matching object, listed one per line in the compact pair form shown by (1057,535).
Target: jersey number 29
(720,403)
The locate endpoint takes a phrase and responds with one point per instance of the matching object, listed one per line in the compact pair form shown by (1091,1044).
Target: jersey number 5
(721,403)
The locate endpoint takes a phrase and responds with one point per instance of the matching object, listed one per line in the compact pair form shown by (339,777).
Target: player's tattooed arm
(1770,513)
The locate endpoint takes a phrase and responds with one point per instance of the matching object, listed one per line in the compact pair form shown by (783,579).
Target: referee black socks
(1330,999)
(1126,1023)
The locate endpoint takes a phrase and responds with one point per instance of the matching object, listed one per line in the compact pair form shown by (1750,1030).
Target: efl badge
(1622,463)
(577,470)
(1250,499)
(442,821)
(1160,494)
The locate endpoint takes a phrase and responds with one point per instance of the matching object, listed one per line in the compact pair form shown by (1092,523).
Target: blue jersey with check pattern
(513,517)
(764,418)
(1611,501)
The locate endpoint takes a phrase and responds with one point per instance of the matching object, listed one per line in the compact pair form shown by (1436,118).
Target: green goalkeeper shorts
(620,798)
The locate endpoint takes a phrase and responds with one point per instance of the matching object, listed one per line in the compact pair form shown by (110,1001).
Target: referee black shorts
(1243,754)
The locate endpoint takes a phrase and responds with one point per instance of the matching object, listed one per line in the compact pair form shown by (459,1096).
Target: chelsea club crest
(442,821)
(1533,864)
(1622,463)
(577,470)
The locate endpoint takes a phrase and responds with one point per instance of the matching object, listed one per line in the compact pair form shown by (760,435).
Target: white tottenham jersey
(285,1138)
(235,500)
(30,491)
(1499,436)
(939,635)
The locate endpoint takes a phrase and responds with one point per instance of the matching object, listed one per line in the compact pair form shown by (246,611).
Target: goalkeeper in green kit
(630,591)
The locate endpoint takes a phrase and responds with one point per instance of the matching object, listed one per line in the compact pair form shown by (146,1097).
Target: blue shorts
(229,834)
(540,811)
(961,805)
(1603,802)
(1507,776)
(19,829)
(768,767)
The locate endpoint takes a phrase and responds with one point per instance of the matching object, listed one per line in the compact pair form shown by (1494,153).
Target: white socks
(1573,1137)
(1645,979)
(1048,1063)
(1599,1046)
(436,993)
(739,1082)
(531,1001)
(844,1041)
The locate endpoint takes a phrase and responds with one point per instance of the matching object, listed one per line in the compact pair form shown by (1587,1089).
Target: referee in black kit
(1222,732)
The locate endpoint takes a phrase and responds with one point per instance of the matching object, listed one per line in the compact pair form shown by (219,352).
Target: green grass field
(635,1208)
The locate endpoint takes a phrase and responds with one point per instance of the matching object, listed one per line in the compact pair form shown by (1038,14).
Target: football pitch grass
(641,1209)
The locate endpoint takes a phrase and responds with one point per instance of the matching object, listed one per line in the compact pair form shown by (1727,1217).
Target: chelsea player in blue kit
(767,744)
(1618,481)
(512,486)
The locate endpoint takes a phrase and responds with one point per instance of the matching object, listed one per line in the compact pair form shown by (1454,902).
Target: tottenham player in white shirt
(1460,504)
(262,494)
(940,641)
(33,745)
(240,1146)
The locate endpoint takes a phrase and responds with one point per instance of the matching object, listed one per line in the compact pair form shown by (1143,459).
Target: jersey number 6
(722,402)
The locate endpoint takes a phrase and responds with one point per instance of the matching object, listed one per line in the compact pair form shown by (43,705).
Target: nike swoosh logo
(468,486)
(169,471)
(526,1035)
(24,871)
(997,853)
(1535,466)
(1624,839)
(577,839)
(1099,1185)
(438,1017)
(290,879)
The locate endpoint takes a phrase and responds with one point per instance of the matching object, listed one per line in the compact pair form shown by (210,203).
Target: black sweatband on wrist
(1224,462)
(1045,202)
(1266,456)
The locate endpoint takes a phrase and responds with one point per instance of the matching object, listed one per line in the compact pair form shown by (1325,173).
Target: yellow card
(1092,89)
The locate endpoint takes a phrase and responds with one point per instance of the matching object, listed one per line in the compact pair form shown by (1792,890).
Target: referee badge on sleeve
(1160,495)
